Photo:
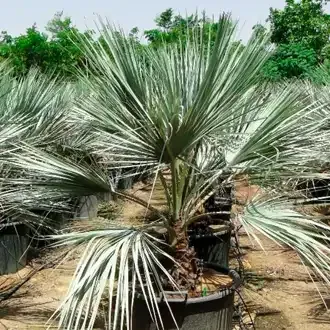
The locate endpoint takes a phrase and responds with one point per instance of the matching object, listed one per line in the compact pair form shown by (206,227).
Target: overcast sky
(17,15)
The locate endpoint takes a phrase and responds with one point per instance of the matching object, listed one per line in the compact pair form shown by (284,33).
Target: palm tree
(198,112)
(33,110)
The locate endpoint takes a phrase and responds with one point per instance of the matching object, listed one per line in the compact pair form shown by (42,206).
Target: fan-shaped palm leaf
(116,263)
(277,219)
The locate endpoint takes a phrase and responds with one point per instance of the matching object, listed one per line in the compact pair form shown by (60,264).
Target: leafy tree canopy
(57,52)
(301,22)
(300,32)
(173,28)
(289,61)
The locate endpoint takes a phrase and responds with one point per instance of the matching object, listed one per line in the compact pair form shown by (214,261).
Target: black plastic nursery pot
(213,312)
(14,243)
(86,207)
(318,189)
(213,247)
(125,183)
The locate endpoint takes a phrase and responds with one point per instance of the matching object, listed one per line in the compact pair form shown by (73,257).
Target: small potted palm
(194,116)
(27,107)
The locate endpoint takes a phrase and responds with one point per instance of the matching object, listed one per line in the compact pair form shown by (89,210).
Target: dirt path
(282,284)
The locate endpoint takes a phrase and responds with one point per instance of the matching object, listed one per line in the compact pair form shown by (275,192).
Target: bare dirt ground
(280,293)
(283,290)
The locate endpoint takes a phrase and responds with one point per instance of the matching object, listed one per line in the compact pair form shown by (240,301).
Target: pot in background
(212,247)
(14,244)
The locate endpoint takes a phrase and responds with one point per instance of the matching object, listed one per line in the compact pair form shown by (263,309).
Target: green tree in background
(173,28)
(66,54)
(165,19)
(25,51)
(301,22)
(289,61)
(58,52)
(301,33)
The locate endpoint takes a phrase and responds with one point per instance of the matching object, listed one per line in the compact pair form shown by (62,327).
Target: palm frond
(276,135)
(153,106)
(278,220)
(38,169)
(116,265)
(34,108)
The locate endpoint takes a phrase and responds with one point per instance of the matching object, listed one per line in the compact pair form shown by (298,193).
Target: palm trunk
(185,272)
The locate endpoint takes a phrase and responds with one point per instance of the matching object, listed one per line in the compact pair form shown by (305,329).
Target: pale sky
(17,15)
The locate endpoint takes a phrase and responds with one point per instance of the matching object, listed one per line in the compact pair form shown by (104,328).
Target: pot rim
(214,296)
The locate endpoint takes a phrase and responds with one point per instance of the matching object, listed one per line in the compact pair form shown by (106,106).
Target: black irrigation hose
(242,274)
(238,257)
(246,308)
